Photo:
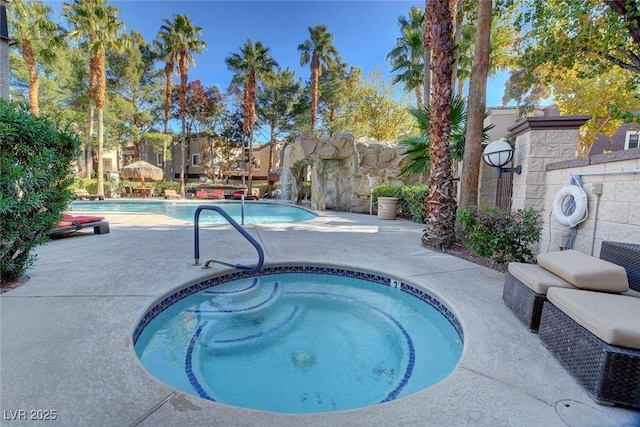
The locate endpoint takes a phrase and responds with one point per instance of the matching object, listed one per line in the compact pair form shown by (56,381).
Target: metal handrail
(245,234)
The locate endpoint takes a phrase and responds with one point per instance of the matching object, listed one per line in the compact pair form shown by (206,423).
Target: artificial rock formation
(342,169)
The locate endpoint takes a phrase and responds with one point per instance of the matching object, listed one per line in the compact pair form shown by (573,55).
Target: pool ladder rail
(240,228)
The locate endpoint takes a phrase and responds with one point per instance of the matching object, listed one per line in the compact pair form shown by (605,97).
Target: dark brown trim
(616,156)
(548,122)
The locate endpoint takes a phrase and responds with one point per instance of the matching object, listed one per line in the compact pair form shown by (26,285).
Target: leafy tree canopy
(595,34)
(595,96)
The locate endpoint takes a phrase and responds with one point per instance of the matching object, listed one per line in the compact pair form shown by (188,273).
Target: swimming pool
(255,212)
(299,339)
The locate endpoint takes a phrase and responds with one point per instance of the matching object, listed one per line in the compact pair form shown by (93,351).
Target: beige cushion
(537,278)
(585,271)
(615,319)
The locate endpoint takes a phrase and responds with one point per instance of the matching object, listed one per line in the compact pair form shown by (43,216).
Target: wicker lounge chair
(526,285)
(71,224)
(596,337)
(626,255)
(82,194)
(168,194)
(525,289)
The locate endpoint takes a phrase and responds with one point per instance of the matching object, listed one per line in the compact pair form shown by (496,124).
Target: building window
(159,159)
(195,159)
(632,140)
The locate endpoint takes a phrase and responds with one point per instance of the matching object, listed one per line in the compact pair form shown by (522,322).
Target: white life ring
(579,214)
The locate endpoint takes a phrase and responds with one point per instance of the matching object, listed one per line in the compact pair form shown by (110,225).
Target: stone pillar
(317,184)
(539,141)
(5,70)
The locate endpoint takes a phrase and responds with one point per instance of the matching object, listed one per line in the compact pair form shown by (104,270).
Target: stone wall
(341,169)
(546,149)
(614,215)
(540,141)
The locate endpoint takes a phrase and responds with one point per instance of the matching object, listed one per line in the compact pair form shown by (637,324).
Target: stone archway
(298,172)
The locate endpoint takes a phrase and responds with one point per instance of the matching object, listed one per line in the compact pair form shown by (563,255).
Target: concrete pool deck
(65,335)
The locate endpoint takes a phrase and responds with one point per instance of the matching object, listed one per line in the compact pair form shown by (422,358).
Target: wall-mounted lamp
(497,154)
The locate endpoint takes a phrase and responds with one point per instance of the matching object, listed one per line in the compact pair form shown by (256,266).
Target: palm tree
(36,36)
(316,51)
(183,41)
(407,56)
(417,147)
(252,64)
(98,28)
(165,47)
(441,203)
(477,107)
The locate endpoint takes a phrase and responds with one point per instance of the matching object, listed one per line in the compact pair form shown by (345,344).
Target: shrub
(160,186)
(412,199)
(501,235)
(83,183)
(35,175)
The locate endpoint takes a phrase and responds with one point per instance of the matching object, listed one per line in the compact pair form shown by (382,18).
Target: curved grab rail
(245,234)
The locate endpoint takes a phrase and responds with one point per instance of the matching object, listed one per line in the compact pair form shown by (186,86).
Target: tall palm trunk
(476,108)
(457,35)
(418,91)
(272,149)
(427,53)
(315,83)
(34,82)
(93,87)
(100,153)
(168,71)
(183,107)
(249,120)
(101,78)
(441,203)
(89,150)
(183,153)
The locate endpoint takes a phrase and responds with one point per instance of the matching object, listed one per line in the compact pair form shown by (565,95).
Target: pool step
(249,329)
(223,302)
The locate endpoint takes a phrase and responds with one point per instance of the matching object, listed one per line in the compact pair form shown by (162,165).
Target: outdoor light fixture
(497,154)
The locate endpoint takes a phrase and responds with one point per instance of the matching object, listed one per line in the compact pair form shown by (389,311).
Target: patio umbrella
(141,170)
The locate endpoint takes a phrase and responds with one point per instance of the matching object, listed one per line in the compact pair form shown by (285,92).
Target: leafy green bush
(306,190)
(160,186)
(35,175)
(82,183)
(412,199)
(499,234)
(91,185)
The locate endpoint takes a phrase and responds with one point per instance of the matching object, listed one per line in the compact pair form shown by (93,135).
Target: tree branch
(631,15)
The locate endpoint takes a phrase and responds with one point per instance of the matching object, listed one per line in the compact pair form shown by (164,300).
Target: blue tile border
(188,364)
(160,306)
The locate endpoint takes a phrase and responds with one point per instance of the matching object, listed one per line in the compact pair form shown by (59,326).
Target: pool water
(301,342)
(255,212)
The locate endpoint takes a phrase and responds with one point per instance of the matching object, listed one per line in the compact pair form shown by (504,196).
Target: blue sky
(365,31)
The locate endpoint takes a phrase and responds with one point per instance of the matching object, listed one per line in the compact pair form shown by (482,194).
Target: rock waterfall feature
(341,168)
